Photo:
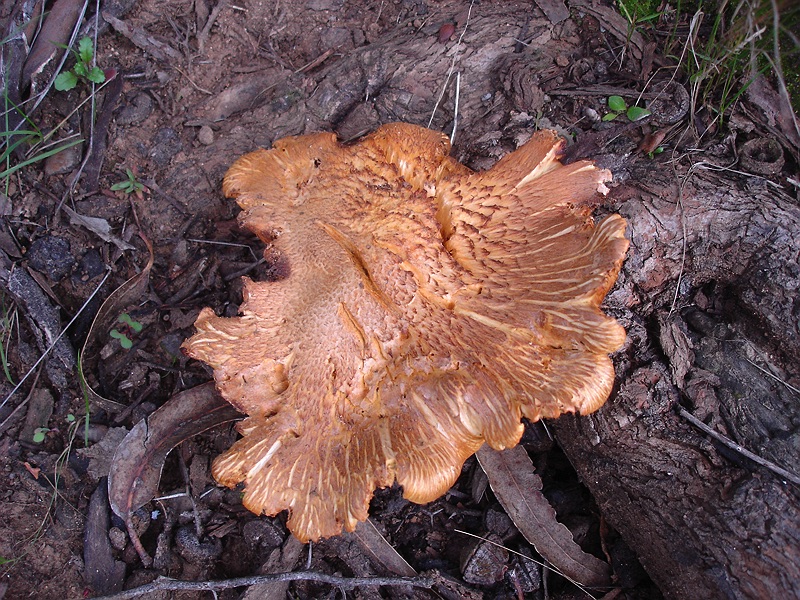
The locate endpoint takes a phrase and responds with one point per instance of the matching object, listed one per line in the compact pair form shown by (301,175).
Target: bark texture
(705,521)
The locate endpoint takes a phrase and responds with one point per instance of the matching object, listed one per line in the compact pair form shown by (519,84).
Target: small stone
(262,533)
(64,161)
(118,538)
(206,135)
(136,110)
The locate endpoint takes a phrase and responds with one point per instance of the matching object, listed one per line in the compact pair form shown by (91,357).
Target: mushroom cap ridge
(426,309)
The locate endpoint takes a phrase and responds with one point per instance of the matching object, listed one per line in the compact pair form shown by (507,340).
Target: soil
(192,86)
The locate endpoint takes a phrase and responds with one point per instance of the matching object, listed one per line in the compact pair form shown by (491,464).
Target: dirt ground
(192,86)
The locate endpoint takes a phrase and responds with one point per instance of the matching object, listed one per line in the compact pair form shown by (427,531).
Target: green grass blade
(38,157)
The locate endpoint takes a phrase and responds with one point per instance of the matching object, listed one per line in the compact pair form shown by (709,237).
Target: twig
(316,62)
(217,243)
(146,559)
(455,108)
(788,475)
(245,270)
(684,241)
(194,85)
(202,37)
(775,377)
(546,565)
(346,583)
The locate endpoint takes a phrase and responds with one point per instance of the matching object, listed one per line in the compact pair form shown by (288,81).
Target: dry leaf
(137,464)
(379,550)
(125,295)
(519,490)
(97,226)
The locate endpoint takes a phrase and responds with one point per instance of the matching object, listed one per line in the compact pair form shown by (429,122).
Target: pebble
(445,32)
(118,538)
(136,110)
(64,161)
(262,533)
(206,135)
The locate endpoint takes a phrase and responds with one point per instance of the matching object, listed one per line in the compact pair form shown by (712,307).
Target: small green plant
(11,140)
(39,434)
(129,326)
(83,69)
(6,329)
(637,12)
(618,106)
(130,185)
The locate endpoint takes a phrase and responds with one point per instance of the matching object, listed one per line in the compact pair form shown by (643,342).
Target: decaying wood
(705,521)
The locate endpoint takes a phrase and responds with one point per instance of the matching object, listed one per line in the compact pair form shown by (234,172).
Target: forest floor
(191,85)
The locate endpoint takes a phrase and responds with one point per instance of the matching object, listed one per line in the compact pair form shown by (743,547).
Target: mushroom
(425,309)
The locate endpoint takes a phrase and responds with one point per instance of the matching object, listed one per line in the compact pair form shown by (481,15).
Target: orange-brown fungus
(427,309)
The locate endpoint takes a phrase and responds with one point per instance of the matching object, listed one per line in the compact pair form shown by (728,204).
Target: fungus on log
(427,309)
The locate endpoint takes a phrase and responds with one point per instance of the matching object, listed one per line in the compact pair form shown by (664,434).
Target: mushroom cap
(426,309)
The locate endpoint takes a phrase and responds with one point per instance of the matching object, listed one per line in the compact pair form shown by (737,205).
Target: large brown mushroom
(426,309)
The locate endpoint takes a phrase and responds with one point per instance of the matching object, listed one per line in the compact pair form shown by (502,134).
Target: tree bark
(705,521)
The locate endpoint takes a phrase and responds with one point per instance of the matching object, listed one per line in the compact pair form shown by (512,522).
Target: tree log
(705,521)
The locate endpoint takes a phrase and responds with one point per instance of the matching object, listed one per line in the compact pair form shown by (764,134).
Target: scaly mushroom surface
(426,309)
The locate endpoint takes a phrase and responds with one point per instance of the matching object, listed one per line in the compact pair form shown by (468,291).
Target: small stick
(346,583)
(788,475)
(202,37)
(146,559)
(452,64)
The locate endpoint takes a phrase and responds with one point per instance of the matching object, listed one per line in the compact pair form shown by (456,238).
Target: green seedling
(129,326)
(130,185)
(83,69)
(39,434)
(618,106)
